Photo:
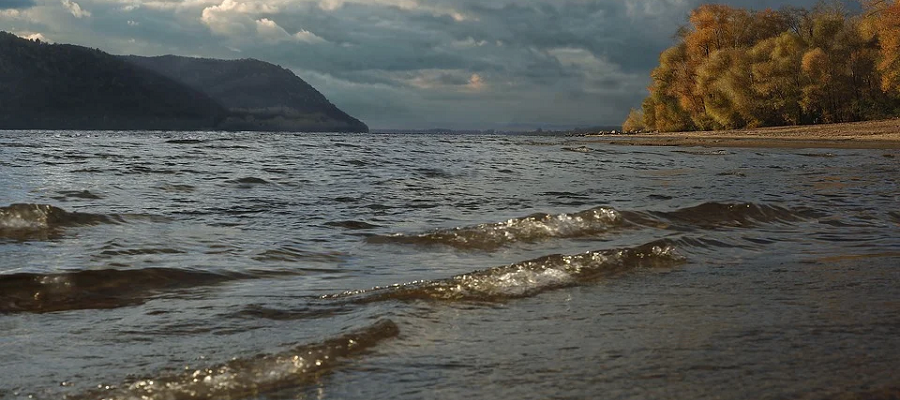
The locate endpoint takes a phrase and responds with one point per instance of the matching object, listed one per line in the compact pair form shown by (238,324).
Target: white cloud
(232,18)
(133,23)
(270,31)
(176,5)
(307,36)
(243,7)
(240,19)
(469,43)
(33,36)
(451,80)
(75,9)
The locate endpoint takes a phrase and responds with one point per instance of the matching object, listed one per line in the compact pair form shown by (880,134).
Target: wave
(249,180)
(595,221)
(352,225)
(31,217)
(251,377)
(102,289)
(525,278)
(713,215)
(65,195)
(526,229)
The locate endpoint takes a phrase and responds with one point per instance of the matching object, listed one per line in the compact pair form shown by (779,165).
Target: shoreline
(883,134)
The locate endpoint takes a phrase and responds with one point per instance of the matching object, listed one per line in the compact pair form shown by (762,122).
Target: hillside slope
(59,86)
(259,95)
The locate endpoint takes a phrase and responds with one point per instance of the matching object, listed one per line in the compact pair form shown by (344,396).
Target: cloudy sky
(405,63)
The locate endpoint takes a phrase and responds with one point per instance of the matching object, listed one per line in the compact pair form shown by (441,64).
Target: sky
(405,64)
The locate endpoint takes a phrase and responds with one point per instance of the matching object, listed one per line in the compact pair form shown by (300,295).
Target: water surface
(172,265)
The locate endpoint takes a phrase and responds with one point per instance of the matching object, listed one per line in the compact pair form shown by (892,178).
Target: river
(210,265)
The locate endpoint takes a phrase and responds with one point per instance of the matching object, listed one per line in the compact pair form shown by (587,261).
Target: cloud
(654,8)
(16,4)
(171,5)
(240,20)
(406,5)
(270,31)
(75,9)
(32,36)
(232,18)
(441,80)
(475,83)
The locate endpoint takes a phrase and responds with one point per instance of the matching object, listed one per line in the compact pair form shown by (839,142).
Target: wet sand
(883,134)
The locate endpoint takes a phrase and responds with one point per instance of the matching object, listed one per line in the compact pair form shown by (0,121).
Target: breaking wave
(250,377)
(595,221)
(526,229)
(525,278)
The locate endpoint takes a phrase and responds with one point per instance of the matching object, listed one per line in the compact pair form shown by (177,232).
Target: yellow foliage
(734,68)
(634,122)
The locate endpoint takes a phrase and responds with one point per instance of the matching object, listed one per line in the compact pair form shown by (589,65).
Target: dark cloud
(16,4)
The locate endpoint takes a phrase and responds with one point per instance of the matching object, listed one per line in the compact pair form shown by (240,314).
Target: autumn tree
(634,122)
(664,106)
(884,16)
(778,78)
(726,81)
(734,68)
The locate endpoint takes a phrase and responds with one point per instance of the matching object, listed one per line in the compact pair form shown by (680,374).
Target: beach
(884,134)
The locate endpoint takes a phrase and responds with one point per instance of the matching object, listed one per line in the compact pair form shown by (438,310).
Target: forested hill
(258,95)
(735,68)
(58,86)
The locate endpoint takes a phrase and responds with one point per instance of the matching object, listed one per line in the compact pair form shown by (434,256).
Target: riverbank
(884,134)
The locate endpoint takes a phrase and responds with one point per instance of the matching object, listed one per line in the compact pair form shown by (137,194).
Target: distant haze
(409,64)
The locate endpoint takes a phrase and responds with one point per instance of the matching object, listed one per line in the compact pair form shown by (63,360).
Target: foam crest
(532,228)
(525,278)
(252,377)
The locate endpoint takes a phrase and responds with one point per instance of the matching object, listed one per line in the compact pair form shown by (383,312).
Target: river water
(167,265)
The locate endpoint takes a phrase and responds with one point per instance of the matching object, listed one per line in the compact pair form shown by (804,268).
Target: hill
(59,86)
(258,95)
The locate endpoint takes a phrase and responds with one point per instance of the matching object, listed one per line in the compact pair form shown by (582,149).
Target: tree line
(737,68)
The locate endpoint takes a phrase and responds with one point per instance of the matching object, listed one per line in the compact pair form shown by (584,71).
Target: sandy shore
(858,135)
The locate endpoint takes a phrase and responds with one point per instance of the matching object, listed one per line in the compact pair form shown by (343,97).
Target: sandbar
(883,134)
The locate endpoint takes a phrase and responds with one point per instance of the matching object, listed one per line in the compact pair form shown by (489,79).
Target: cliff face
(258,95)
(51,86)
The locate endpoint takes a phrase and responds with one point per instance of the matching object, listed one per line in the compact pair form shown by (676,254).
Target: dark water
(277,266)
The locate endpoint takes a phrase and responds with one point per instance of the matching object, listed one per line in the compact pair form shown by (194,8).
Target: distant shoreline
(884,134)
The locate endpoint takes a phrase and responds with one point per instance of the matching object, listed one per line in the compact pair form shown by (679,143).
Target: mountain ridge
(64,86)
(259,95)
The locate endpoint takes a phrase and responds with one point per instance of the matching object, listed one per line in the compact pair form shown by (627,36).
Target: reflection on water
(164,265)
